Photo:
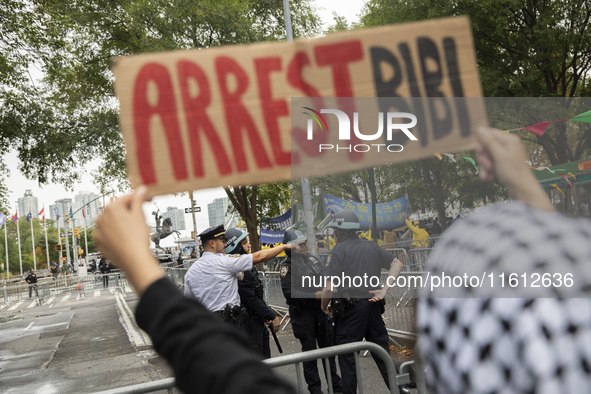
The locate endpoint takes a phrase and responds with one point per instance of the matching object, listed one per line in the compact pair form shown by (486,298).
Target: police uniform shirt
(206,354)
(356,258)
(212,279)
(474,341)
(293,270)
(248,284)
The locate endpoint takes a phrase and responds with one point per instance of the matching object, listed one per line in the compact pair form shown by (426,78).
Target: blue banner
(272,229)
(389,215)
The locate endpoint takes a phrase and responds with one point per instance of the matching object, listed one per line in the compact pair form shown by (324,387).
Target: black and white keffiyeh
(517,340)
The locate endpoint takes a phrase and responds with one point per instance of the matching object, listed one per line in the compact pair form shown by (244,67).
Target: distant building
(58,209)
(85,209)
(28,203)
(217,211)
(90,202)
(177,216)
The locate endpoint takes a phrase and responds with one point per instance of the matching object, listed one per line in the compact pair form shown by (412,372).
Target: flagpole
(46,243)
(59,237)
(33,241)
(85,239)
(6,248)
(18,234)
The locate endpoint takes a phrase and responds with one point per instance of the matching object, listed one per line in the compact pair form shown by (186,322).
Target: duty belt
(305,302)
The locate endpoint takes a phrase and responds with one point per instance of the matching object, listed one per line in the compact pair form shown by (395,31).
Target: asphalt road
(85,345)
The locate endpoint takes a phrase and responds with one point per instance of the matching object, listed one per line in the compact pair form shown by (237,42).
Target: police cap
(213,232)
(345,220)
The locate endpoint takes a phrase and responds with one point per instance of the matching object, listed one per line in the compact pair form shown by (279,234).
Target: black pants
(363,320)
(310,326)
(105,280)
(259,337)
(31,287)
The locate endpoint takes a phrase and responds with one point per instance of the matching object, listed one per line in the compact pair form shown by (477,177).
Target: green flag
(584,117)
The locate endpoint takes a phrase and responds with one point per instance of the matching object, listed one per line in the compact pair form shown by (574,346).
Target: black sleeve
(246,290)
(384,257)
(295,275)
(206,354)
(286,282)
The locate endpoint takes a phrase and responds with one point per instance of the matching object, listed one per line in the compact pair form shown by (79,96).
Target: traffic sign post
(192,210)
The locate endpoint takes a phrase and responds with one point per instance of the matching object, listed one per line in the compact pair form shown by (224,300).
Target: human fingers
(138,198)
(485,165)
(489,143)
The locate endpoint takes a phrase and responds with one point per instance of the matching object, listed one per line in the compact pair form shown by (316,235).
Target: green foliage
(524,48)
(70,118)
(431,184)
(254,202)
(340,24)
(27,245)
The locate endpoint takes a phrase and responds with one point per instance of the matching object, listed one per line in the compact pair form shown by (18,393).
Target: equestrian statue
(162,231)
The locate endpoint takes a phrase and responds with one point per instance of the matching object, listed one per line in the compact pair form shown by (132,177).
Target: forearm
(531,193)
(268,254)
(141,271)
(393,272)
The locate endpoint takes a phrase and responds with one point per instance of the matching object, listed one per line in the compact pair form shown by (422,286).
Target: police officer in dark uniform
(251,291)
(32,281)
(309,324)
(357,306)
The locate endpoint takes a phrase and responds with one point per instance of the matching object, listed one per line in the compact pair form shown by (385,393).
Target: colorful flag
(2,218)
(83,214)
(57,210)
(29,216)
(42,212)
(15,217)
(70,211)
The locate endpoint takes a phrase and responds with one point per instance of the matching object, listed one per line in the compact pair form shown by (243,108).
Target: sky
(48,194)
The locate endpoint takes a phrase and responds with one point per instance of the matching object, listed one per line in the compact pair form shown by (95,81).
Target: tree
(431,184)
(524,48)
(70,117)
(254,202)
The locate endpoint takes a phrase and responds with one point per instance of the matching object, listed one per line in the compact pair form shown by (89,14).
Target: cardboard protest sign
(221,116)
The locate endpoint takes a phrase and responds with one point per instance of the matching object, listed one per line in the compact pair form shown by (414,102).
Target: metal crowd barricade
(400,301)
(297,360)
(430,242)
(176,275)
(400,309)
(401,255)
(418,258)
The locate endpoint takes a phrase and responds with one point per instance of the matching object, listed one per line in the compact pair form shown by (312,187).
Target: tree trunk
(246,208)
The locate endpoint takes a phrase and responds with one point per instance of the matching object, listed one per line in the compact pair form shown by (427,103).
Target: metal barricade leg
(299,378)
(358,373)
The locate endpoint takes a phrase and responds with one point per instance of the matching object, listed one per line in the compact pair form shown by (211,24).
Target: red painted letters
(142,115)
(237,117)
(197,119)
(272,109)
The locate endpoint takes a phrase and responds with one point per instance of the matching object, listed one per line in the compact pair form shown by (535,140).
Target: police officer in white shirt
(212,279)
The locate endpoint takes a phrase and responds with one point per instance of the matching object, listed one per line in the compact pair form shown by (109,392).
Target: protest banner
(203,118)
(389,215)
(272,229)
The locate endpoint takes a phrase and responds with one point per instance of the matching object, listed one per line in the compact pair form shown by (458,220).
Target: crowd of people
(474,342)
(67,270)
